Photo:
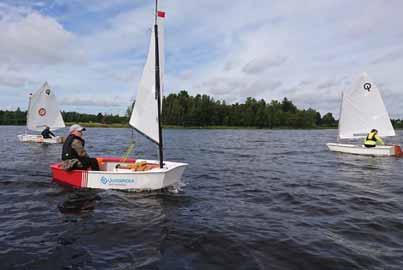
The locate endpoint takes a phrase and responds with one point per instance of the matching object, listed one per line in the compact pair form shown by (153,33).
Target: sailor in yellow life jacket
(373,139)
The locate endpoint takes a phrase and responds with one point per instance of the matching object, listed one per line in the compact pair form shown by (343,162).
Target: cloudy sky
(92,51)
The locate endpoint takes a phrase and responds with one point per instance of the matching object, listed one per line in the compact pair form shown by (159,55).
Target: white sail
(144,117)
(362,110)
(43,110)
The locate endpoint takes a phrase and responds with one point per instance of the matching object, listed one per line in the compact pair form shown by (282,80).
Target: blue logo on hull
(104,180)
(115,181)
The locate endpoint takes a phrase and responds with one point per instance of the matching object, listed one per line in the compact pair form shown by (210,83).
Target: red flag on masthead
(161,14)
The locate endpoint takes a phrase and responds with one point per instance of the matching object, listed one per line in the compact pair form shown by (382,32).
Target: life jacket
(371,140)
(371,136)
(68,152)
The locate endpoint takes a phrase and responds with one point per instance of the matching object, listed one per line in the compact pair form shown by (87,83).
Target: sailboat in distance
(362,109)
(43,111)
(131,174)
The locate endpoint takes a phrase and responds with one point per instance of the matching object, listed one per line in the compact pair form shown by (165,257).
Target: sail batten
(43,110)
(144,117)
(362,110)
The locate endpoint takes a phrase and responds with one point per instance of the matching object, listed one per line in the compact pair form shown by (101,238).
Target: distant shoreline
(100,125)
(236,127)
(117,125)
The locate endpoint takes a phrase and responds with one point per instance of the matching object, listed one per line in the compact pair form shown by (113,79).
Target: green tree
(328,120)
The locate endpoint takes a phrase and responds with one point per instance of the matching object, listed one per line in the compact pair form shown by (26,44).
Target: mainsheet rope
(130,148)
(128,152)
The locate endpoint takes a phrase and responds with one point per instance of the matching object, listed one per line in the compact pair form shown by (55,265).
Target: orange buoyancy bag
(398,151)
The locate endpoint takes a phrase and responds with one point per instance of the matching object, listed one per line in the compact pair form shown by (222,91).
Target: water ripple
(251,199)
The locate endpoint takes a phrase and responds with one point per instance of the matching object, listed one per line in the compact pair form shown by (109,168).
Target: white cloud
(328,84)
(34,39)
(392,55)
(307,50)
(259,65)
(11,76)
(116,101)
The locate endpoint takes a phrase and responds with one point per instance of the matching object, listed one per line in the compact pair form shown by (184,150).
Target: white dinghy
(131,174)
(362,109)
(43,111)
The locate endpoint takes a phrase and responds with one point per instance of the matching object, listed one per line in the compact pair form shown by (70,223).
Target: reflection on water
(251,199)
(79,201)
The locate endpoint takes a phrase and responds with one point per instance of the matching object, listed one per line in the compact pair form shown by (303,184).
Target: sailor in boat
(373,139)
(47,134)
(74,155)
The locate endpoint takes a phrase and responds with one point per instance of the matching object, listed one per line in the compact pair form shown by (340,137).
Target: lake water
(251,199)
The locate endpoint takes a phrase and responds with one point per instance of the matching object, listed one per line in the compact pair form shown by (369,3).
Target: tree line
(184,110)
(18,117)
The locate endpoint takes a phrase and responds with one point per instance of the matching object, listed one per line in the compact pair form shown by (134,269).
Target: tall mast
(158,85)
(29,108)
(340,112)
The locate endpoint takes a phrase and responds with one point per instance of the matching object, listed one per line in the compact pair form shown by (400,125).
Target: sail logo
(367,86)
(42,112)
(115,181)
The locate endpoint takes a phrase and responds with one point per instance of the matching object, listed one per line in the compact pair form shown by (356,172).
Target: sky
(92,52)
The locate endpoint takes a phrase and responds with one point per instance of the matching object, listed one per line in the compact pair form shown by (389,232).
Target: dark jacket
(46,133)
(73,148)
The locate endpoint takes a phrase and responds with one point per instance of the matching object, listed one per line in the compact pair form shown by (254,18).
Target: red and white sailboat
(131,174)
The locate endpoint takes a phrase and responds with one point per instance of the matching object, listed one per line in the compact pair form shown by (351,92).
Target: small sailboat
(132,174)
(362,109)
(43,111)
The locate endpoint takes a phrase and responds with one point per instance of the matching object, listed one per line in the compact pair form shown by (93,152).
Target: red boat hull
(78,178)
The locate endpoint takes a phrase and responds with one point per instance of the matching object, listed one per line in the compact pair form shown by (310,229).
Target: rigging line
(131,147)
(128,152)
